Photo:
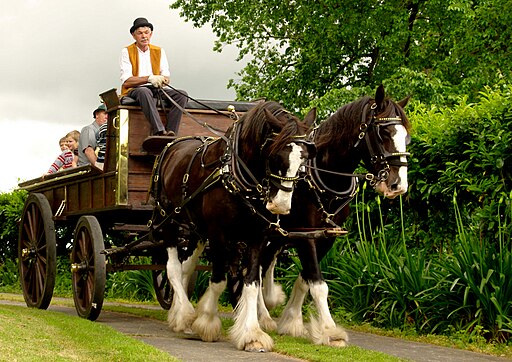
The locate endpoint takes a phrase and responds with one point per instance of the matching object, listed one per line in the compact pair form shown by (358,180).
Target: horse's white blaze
(399,139)
(181,314)
(282,201)
(399,142)
(246,332)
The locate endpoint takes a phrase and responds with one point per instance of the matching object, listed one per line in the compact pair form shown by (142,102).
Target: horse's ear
(274,122)
(380,95)
(404,101)
(310,117)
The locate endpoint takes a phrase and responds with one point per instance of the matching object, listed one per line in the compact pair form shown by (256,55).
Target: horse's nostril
(394,187)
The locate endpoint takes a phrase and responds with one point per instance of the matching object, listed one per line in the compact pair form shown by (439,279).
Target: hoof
(255,347)
(338,343)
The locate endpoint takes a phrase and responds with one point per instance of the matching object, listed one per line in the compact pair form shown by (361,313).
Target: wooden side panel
(140,164)
(189,127)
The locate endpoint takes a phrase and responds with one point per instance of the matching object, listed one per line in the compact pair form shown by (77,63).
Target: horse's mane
(256,129)
(341,129)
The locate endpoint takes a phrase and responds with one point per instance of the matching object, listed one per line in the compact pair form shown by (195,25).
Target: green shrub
(11,208)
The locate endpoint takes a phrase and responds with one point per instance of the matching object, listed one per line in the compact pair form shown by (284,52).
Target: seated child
(67,158)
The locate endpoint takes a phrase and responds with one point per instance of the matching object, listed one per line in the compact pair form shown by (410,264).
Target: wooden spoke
(88,268)
(37,252)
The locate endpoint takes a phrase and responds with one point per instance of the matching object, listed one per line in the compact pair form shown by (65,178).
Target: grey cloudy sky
(59,55)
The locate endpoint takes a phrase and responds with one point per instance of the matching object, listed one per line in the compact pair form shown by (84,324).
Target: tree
(302,49)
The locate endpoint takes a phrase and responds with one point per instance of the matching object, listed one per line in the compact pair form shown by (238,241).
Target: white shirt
(144,64)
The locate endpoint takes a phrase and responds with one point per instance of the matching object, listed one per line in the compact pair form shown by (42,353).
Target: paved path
(189,349)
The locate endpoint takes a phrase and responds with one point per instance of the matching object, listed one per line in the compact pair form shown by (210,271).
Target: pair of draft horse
(227,191)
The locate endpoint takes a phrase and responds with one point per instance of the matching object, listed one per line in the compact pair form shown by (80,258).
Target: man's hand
(157,80)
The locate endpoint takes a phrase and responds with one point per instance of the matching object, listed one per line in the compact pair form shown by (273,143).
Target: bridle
(370,132)
(238,178)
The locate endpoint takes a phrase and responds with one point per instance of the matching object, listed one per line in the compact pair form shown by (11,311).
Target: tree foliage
(299,49)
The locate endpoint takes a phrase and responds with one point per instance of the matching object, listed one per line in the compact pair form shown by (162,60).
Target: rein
(231,172)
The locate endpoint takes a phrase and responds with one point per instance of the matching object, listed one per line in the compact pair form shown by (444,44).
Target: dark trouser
(147,98)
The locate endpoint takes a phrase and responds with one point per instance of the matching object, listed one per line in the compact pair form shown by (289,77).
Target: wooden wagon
(91,203)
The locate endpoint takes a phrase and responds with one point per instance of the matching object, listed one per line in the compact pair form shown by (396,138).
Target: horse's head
(282,152)
(385,130)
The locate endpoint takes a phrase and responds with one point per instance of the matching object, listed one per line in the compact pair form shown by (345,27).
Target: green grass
(294,347)
(59,337)
(34,335)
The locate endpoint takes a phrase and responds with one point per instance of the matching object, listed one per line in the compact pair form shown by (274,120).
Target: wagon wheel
(37,252)
(88,268)
(162,285)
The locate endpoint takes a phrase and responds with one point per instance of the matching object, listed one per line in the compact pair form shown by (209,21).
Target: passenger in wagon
(144,71)
(89,136)
(66,159)
(63,144)
(101,142)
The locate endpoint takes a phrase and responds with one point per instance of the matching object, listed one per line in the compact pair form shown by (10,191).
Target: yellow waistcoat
(154,54)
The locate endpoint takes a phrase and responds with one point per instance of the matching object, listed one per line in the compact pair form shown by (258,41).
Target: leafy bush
(466,149)
(11,207)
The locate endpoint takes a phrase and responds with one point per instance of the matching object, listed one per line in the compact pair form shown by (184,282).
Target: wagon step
(312,233)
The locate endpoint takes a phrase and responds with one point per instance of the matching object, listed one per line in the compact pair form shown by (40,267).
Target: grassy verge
(34,335)
(297,347)
(37,334)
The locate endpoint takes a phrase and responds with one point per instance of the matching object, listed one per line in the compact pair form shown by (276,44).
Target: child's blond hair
(75,134)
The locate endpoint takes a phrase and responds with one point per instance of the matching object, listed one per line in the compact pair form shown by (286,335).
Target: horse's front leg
(246,332)
(181,314)
(323,329)
(208,324)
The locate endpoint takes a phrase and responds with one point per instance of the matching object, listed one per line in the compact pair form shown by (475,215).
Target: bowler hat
(140,22)
(101,107)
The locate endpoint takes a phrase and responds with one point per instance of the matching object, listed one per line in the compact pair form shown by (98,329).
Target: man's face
(142,37)
(101,117)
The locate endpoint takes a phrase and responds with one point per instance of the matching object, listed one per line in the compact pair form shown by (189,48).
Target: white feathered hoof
(292,326)
(252,341)
(333,336)
(208,327)
(274,296)
(181,322)
(268,324)
(254,347)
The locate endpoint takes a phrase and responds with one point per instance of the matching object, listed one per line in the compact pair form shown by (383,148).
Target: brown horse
(224,191)
(374,131)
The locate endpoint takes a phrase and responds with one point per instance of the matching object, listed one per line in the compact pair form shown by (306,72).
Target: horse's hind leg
(188,266)
(264,318)
(208,324)
(273,293)
(323,329)
(291,322)
(181,314)
(246,332)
